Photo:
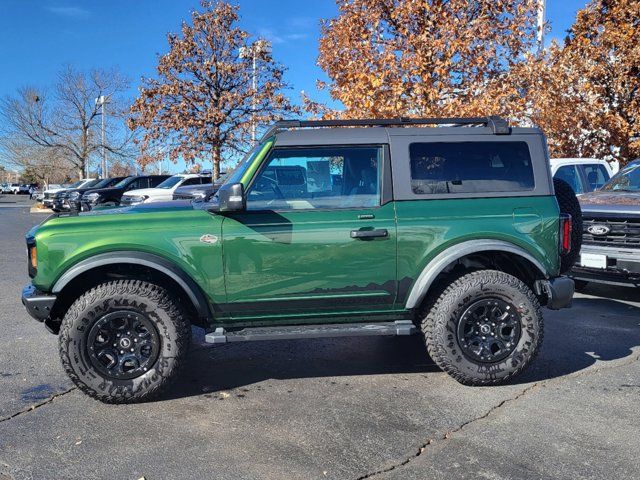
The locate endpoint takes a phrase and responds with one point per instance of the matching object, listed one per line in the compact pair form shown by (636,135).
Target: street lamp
(101,101)
(259,49)
(542,6)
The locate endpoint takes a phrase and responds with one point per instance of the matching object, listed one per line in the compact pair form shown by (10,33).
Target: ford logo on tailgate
(598,229)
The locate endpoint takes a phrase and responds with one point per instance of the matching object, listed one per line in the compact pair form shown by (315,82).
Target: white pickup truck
(583,174)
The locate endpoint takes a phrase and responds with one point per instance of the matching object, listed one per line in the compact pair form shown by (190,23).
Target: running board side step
(399,327)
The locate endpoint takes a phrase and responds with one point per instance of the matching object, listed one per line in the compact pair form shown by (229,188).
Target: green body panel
(172,233)
(426,228)
(283,262)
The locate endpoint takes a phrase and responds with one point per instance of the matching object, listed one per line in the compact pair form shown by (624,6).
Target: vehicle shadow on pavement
(594,329)
(235,365)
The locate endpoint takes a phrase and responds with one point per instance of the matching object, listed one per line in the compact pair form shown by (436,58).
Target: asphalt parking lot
(339,408)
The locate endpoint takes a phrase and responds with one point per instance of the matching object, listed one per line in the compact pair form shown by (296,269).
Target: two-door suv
(326,228)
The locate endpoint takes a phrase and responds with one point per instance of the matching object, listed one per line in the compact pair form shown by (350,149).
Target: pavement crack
(37,405)
(422,448)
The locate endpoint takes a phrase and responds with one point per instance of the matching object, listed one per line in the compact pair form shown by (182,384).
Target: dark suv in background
(611,238)
(112,195)
(70,200)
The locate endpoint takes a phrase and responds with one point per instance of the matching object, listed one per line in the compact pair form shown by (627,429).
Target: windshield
(123,182)
(76,184)
(236,174)
(171,182)
(627,179)
(92,183)
(105,182)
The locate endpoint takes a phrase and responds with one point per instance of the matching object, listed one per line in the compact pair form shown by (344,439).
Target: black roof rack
(498,125)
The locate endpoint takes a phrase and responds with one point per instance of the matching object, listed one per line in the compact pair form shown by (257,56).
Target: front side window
(470,167)
(569,173)
(318,178)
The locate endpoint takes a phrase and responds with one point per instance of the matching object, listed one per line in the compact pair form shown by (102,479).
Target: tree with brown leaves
(389,58)
(66,124)
(587,92)
(203,101)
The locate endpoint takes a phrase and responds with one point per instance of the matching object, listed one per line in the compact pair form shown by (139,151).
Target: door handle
(364,234)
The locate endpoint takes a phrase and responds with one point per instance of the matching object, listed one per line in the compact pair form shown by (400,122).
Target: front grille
(623,232)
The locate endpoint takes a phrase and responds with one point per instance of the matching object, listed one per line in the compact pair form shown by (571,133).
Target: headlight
(133,199)
(91,197)
(74,196)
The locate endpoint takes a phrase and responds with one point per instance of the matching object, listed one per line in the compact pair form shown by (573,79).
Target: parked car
(454,232)
(5,188)
(611,239)
(112,196)
(164,191)
(49,193)
(583,174)
(70,200)
(198,192)
(60,202)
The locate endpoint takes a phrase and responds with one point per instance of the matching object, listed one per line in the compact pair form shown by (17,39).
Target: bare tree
(67,122)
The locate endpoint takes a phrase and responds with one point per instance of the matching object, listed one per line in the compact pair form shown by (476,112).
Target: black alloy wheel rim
(489,330)
(123,345)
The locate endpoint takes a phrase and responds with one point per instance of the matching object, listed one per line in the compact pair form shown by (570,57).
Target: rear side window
(470,167)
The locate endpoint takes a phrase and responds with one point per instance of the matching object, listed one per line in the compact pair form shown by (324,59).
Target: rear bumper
(38,304)
(559,292)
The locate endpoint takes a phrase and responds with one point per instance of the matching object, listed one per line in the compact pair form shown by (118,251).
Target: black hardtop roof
(379,130)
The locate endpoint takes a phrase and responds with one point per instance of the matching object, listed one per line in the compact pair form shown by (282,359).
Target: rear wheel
(484,329)
(124,341)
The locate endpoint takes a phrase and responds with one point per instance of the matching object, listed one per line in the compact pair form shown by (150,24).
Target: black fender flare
(155,262)
(438,264)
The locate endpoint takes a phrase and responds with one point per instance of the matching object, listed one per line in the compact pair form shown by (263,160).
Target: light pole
(259,48)
(542,7)
(101,101)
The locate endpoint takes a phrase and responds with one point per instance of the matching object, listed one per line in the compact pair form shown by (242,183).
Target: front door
(318,236)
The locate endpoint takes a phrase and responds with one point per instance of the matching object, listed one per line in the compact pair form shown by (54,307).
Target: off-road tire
(440,325)
(568,203)
(152,301)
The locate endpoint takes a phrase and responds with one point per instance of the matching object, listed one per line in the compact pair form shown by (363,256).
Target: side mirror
(231,198)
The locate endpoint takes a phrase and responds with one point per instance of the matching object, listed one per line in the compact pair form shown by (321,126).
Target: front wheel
(484,329)
(124,341)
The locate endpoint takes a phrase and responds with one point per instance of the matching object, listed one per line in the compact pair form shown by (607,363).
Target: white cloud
(68,11)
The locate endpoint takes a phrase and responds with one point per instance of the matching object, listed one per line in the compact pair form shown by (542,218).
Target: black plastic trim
(38,304)
(190,287)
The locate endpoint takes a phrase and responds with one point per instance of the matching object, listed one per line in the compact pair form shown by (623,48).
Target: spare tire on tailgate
(568,203)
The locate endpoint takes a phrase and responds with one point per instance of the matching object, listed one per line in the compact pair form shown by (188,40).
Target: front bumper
(623,266)
(38,304)
(559,291)
(60,205)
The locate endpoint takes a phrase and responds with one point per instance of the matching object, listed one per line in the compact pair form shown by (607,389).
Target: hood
(149,192)
(608,201)
(104,190)
(142,208)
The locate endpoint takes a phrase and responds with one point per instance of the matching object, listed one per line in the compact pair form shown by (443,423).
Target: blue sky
(38,37)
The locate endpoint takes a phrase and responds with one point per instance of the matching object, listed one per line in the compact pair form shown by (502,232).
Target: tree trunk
(215,157)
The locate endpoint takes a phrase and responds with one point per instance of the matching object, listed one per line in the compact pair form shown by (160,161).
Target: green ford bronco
(326,228)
